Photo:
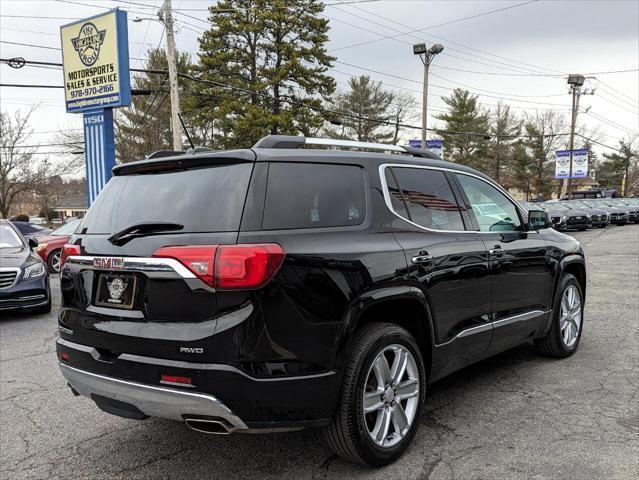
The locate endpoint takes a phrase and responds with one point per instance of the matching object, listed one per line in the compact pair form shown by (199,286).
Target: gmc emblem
(109,263)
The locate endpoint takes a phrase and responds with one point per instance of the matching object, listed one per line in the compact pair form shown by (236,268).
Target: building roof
(72,202)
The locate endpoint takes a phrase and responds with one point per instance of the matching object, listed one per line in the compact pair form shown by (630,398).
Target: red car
(50,246)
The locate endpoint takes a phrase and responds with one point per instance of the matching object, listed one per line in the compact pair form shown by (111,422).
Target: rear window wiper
(142,229)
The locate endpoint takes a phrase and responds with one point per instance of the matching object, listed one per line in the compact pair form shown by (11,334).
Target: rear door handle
(422,257)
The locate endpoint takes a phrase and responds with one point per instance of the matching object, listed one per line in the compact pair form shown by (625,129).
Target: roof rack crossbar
(290,141)
(331,142)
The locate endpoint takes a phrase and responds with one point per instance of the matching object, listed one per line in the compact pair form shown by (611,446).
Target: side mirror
(33,242)
(538,220)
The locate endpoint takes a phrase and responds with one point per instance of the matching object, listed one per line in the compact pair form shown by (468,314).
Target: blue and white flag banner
(435,146)
(579,163)
(99,150)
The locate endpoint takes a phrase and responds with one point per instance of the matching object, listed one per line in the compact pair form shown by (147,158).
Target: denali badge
(109,263)
(116,288)
(191,350)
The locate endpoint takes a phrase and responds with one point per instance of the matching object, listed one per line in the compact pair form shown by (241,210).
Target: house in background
(71,206)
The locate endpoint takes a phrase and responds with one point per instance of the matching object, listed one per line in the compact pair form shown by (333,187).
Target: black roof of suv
(283,287)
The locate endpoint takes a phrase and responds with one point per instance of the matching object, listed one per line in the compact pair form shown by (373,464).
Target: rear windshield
(203,200)
(307,195)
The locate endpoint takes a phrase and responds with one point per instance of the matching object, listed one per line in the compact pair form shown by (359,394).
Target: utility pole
(166,17)
(576,82)
(426,56)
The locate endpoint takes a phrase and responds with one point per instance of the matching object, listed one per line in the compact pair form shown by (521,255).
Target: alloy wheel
(391,395)
(55,261)
(571,315)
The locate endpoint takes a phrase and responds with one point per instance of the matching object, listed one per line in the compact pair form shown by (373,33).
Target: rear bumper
(151,400)
(217,390)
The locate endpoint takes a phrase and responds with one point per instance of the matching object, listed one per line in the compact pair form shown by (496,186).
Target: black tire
(50,259)
(347,434)
(552,344)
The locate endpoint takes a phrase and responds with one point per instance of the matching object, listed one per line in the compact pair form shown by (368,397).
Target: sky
(518,51)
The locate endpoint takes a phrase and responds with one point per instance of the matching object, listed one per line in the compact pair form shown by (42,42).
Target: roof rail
(290,141)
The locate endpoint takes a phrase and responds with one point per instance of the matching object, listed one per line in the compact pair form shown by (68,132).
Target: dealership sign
(579,163)
(435,146)
(95,57)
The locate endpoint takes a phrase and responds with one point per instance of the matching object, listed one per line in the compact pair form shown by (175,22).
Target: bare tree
(403,110)
(20,170)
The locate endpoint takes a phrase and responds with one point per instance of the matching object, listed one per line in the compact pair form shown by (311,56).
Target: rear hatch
(123,290)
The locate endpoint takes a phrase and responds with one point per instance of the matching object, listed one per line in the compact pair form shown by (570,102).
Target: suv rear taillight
(229,267)
(67,251)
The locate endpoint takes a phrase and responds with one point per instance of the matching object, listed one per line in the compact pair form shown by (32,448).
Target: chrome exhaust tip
(210,426)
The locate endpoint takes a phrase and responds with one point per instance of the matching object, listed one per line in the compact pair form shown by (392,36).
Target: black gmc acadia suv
(282,287)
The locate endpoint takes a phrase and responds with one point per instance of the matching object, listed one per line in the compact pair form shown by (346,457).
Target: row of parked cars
(589,213)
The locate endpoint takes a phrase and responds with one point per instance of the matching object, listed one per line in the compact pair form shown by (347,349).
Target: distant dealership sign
(579,163)
(435,146)
(95,57)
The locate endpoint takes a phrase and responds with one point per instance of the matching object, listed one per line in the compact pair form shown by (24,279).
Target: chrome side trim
(188,365)
(521,317)
(389,205)
(330,142)
(137,264)
(150,400)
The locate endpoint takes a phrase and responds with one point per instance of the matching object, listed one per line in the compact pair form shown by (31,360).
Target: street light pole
(425,105)
(166,17)
(426,56)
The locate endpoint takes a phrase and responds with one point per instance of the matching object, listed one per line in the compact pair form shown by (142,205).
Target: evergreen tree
(611,170)
(366,106)
(273,53)
(504,130)
(464,115)
(543,130)
(145,126)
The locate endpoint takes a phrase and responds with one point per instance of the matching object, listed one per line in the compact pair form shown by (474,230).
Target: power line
(613,93)
(386,22)
(436,25)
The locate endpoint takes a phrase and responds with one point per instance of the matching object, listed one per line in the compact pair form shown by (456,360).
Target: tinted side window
(308,195)
(493,210)
(429,198)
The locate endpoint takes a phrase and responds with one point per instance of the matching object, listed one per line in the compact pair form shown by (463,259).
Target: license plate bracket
(116,290)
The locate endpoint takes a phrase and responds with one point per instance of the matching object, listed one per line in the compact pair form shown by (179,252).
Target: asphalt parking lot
(517,415)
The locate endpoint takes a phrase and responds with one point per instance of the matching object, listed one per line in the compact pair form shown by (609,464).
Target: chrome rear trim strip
(139,264)
(149,399)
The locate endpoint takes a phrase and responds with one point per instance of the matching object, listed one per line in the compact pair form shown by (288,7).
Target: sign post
(95,57)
